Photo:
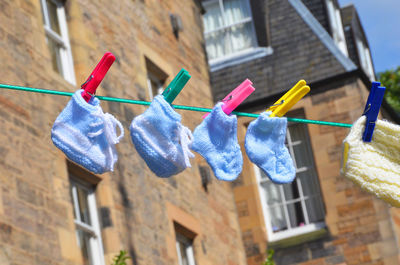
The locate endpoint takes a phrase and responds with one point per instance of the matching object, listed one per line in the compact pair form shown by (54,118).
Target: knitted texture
(374,166)
(265,147)
(161,140)
(216,140)
(86,135)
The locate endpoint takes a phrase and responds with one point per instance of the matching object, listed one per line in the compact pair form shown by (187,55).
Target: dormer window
(365,59)
(335,22)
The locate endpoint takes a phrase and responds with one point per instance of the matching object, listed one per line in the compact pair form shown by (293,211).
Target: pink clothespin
(97,76)
(237,96)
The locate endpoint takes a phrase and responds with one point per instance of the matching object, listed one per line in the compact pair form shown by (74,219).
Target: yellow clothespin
(287,101)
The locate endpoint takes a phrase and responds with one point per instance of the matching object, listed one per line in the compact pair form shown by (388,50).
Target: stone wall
(138,210)
(360,229)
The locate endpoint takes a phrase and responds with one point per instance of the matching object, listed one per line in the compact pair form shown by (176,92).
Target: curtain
(230,30)
(273,197)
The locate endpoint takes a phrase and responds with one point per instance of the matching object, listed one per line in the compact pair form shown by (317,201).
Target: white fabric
(229,39)
(375,165)
(186,139)
(109,128)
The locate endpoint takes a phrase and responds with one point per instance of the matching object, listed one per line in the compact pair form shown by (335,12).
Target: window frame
(364,54)
(64,58)
(248,52)
(151,77)
(290,232)
(96,245)
(188,243)
(336,26)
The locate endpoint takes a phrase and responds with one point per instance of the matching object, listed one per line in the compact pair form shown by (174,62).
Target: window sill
(240,57)
(298,236)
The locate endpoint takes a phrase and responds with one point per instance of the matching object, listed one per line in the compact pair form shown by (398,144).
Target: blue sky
(381,22)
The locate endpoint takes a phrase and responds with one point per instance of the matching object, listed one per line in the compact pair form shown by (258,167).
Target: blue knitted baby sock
(216,140)
(86,135)
(161,140)
(265,147)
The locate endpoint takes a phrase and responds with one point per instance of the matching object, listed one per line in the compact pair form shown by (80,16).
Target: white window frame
(65,62)
(151,77)
(239,56)
(96,254)
(290,232)
(189,249)
(365,59)
(335,21)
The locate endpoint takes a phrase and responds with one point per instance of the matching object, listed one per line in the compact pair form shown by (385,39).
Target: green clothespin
(176,85)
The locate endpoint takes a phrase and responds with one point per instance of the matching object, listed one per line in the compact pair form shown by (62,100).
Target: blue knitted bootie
(265,147)
(86,135)
(161,140)
(216,140)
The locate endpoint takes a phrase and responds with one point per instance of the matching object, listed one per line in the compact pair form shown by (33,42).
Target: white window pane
(235,11)
(272,193)
(278,220)
(296,216)
(54,49)
(84,245)
(216,45)
(370,70)
(52,10)
(315,209)
(83,206)
(242,37)
(213,17)
(182,250)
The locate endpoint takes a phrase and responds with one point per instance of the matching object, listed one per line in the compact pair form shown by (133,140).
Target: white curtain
(235,24)
(273,197)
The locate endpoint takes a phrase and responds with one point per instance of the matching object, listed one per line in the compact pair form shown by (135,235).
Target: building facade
(53,211)
(321,218)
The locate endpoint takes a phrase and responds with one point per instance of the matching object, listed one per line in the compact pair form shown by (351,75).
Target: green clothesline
(140,102)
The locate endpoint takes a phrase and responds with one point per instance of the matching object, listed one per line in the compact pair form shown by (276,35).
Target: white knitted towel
(374,166)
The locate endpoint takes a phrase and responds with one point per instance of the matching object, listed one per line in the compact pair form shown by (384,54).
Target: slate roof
(302,49)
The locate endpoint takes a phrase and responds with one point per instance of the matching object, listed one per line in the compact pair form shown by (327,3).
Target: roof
(302,49)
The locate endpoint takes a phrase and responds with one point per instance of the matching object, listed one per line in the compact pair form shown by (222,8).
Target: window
(295,208)
(228,27)
(184,247)
(154,85)
(87,223)
(335,21)
(57,39)
(365,59)
(155,79)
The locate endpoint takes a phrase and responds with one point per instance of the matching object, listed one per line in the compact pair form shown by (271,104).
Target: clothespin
(176,85)
(287,101)
(97,76)
(372,109)
(237,96)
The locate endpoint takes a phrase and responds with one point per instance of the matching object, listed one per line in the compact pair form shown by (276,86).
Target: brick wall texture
(138,209)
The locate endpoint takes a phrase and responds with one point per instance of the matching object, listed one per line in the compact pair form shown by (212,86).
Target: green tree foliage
(391,80)
(121,258)
(270,260)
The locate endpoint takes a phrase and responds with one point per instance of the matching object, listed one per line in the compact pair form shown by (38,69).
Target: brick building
(321,218)
(54,212)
